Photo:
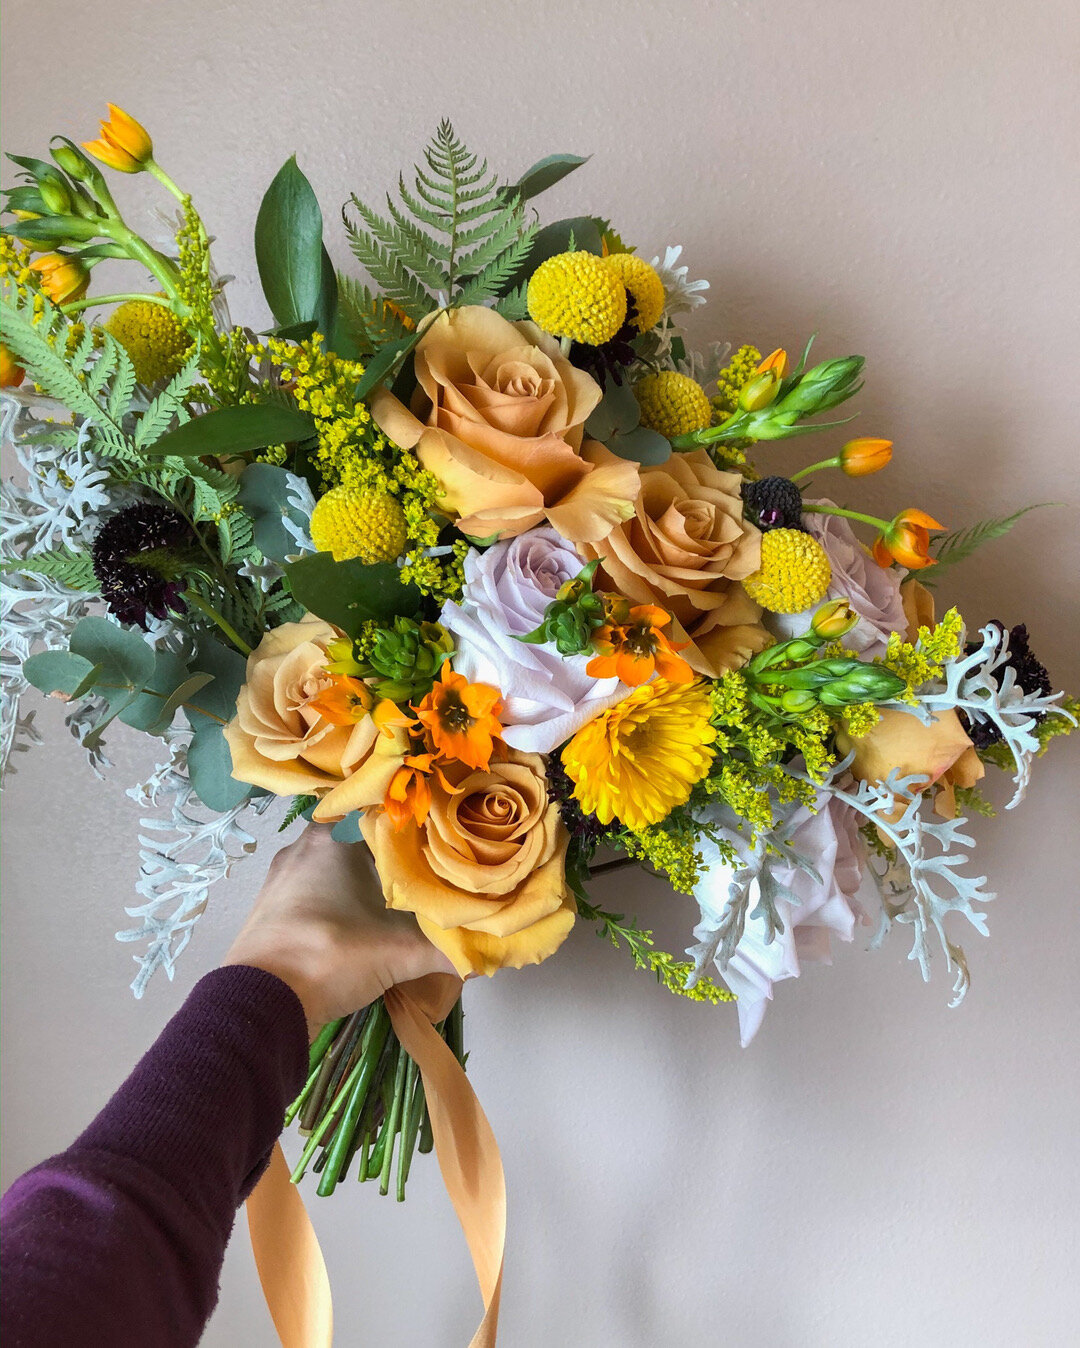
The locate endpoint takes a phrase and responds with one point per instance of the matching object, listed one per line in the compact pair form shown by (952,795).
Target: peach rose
(499,416)
(485,874)
(940,751)
(277,739)
(686,547)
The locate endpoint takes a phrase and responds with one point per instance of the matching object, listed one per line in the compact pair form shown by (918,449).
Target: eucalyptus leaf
(350,593)
(236,430)
(209,765)
(146,709)
(218,697)
(347,830)
(263,494)
(642,446)
(60,672)
(127,662)
(289,248)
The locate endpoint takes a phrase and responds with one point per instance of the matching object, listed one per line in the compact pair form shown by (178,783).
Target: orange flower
(906,540)
(775,360)
(408,797)
(64,277)
(125,144)
(631,647)
(866,455)
(389,717)
(344,700)
(462,719)
(11,372)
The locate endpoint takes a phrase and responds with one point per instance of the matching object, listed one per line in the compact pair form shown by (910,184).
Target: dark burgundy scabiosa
(138,555)
(773,503)
(1030,672)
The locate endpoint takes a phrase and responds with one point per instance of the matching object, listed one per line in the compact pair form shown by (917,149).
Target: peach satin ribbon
(287,1254)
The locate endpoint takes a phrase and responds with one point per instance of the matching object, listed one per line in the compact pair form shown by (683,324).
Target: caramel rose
(485,872)
(499,416)
(685,548)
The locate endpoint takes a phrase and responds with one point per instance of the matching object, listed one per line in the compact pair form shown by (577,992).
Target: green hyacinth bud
(407,658)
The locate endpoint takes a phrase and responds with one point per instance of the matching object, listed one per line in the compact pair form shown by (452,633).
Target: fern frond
(410,244)
(368,321)
(70,568)
(961,543)
(168,404)
(492,279)
(512,305)
(388,272)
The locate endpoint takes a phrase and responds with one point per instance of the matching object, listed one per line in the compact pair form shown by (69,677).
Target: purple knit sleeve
(119,1240)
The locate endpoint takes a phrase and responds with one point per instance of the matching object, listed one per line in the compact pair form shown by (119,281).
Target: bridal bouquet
(470,557)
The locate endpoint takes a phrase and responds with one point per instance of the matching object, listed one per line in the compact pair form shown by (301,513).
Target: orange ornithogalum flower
(632,647)
(866,455)
(344,701)
(11,372)
(775,360)
(408,797)
(64,278)
(906,540)
(388,716)
(462,718)
(125,144)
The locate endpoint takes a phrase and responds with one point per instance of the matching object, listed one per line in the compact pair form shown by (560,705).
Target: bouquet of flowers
(472,558)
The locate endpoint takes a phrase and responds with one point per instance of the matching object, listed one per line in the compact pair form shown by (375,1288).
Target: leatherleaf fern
(457,236)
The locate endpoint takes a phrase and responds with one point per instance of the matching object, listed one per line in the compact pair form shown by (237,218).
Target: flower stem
(394,1121)
(197,601)
(76,306)
(414,1107)
(805,472)
(847,514)
(152,166)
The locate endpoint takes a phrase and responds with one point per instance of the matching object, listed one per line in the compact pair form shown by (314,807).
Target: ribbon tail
(289,1260)
(465,1145)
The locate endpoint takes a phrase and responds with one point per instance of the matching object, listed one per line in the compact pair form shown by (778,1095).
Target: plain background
(901,177)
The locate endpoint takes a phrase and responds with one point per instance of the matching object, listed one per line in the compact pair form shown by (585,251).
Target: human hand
(320,923)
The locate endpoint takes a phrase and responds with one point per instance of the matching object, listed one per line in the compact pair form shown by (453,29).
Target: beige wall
(902,177)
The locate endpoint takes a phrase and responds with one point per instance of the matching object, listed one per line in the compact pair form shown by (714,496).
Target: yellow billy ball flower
(643,285)
(794,573)
(358,522)
(152,337)
(641,758)
(672,403)
(577,295)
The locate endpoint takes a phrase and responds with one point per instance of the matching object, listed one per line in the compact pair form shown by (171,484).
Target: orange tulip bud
(907,540)
(775,360)
(866,455)
(11,373)
(64,278)
(125,144)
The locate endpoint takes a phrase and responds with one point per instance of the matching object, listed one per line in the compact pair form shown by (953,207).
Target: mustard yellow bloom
(358,522)
(643,285)
(125,144)
(577,295)
(672,403)
(152,336)
(794,573)
(640,759)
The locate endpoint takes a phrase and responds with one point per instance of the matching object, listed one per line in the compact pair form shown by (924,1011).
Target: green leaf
(380,365)
(127,662)
(236,430)
(152,710)
(73,569)
(641,446)
(289,248)
(545,173)
(218,698)
(60,672)
(583,231)
(263,496)
(347,830)
(209,765)
(961,543)
(351,593)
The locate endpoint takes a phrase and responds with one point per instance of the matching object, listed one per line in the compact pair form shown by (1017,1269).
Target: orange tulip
(866,455)
(11,373)
(125,144)
(64,278)
(906,540)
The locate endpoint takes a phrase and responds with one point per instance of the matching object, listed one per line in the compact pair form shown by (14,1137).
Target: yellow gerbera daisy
(641,758)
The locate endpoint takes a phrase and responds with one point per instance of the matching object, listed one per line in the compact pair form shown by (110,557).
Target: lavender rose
(829,840)
(546,697)
(872,591)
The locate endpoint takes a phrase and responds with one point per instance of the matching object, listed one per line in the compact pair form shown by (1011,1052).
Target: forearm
(120,1239)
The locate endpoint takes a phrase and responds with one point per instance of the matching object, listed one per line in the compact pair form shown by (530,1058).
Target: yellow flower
(64,278)
(125,144)
(351,522)
(643,285)
(794,573)
(640,759)
(867,454)
(152,337)
(672,403)
(577,295)
(11,372)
